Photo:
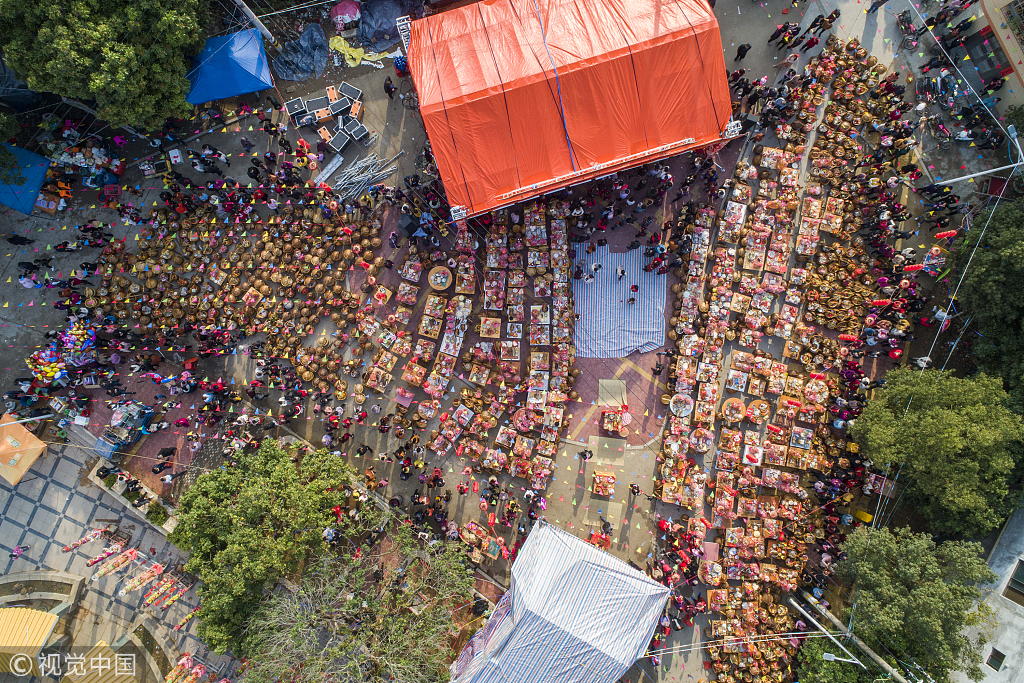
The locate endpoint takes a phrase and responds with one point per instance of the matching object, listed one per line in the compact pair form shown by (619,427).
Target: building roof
(23,633)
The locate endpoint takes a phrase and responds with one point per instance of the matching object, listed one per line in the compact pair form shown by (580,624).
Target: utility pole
(256,22)
(896,676)
(821,628)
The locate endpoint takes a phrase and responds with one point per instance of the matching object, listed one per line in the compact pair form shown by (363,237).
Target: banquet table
(378,379)
(430,326)
(439,278)
(612,421)
(604,483)
(490,328)
(414,373)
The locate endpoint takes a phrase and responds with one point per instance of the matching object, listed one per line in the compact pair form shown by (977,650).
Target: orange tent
(522,97)
(19,448)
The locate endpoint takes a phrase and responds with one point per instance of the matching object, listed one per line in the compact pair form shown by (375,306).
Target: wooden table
(611,420)
(443,276)
(465,283)
(491,548)
(479,373)
(604,483)
(378,379)
(490,328)
(430,326)
(414,374)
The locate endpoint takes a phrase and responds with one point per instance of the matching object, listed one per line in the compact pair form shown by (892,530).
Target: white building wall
(1007,631)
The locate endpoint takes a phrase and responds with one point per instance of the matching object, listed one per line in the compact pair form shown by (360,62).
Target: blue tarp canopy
(574,614)
(33,169)
(229,65)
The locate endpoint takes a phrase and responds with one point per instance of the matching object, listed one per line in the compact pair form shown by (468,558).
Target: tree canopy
(1014,115)
(916,597)
(991,293)
(956,441)
(129,57)
(10,173)
(250,524)
(345,623)
(811,668)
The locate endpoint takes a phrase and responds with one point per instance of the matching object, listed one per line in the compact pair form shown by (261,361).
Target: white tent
(574,614)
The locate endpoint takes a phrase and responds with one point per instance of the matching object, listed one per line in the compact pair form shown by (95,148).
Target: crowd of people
(627,201)
(879,222)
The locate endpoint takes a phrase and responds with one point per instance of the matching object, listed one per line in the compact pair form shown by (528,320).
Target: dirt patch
(83,476)
(28,587)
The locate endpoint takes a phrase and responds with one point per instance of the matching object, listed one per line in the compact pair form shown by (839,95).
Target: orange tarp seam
(523,97)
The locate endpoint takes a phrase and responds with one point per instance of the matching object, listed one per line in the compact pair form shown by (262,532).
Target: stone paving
(54,505)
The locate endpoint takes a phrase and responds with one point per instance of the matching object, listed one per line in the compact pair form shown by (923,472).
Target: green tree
(129,57)
(991,293)
(917,598)
(344,624)
(955,439)
(1015,115)
(811,668)
(10,172)
(248,525)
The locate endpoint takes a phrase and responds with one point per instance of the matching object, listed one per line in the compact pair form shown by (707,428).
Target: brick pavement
(54,505)
(143,454)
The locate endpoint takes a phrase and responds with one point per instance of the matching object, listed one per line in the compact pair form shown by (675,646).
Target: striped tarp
(609,326)
(574,614)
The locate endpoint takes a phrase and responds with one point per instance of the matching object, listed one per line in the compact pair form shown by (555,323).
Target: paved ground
(54,505)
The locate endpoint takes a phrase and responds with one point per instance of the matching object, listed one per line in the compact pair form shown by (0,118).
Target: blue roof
(230,65)
(33,168)
(574,614)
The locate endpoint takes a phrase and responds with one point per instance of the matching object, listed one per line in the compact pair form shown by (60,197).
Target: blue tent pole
(265,32)
(228,66)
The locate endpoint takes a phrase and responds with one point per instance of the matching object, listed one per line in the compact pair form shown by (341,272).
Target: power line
(296,8)
(952,298)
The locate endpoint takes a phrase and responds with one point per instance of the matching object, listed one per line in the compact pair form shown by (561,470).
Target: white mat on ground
(610,327)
